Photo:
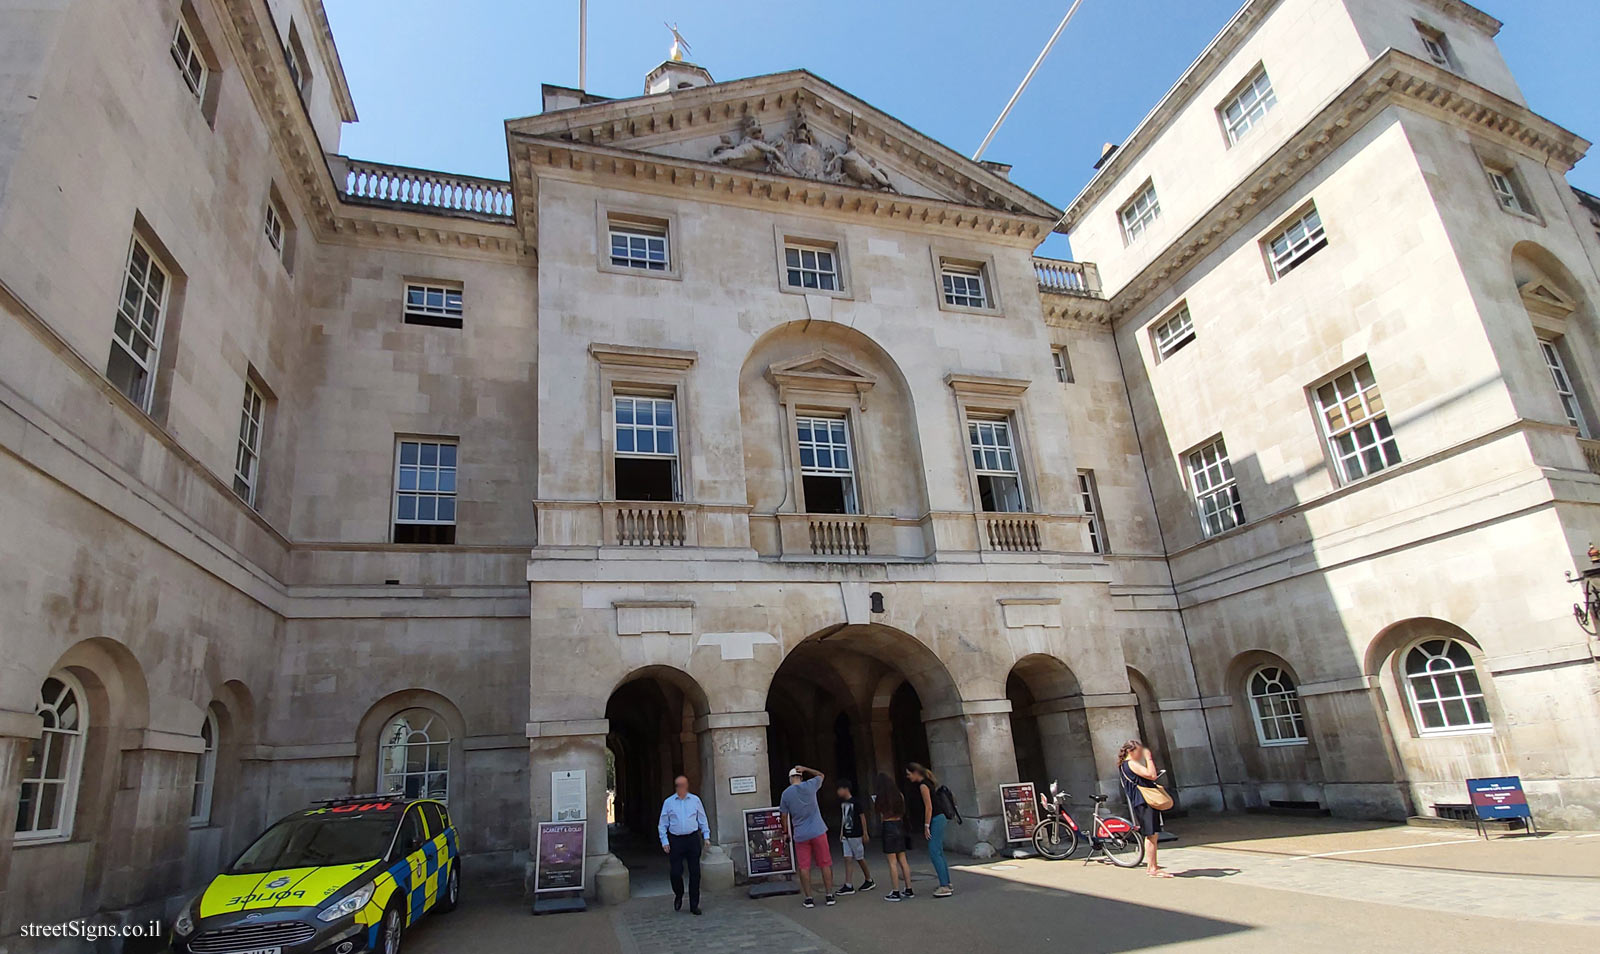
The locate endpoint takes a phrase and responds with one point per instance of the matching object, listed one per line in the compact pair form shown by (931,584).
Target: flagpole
(1024,84)
(583,44)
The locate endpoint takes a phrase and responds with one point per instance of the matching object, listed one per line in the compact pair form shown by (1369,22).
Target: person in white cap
(808,830)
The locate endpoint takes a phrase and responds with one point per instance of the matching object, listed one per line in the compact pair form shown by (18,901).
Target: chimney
(676,74)
(1105,154)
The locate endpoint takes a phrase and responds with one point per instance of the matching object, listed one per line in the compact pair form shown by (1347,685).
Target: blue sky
(434,80)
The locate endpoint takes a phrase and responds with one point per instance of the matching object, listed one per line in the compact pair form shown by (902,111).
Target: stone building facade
(742,427)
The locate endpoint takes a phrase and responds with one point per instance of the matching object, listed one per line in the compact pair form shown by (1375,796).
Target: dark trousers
(685,851)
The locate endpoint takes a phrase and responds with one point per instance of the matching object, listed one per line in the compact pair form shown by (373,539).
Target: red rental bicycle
(1056,836)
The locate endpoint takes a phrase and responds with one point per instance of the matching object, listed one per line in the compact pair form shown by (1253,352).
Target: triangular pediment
(1542,296)
(792,125)
(820,372)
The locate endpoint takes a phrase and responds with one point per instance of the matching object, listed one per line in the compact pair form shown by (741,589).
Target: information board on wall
(569,793)
(1021,808)
(767,844)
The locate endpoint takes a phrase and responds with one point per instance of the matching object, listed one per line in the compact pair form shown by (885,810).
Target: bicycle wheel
(1054,840)
(1122,842)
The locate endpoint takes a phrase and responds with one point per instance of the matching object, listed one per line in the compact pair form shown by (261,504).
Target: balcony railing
(1067,278)
(421,190)
(1011,534)
(1591,453)
(838,536)
(651,526)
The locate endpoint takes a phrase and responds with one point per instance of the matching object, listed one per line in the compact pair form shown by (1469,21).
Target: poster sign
(742,785)
(558,864)
(767,843)
(1021,809)
(569,793)
(1497,798)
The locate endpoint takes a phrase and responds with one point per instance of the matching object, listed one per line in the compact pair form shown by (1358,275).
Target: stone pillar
(1189,741)
(733,745)
(18,730)
(1111,720)
(1362,771)
(972,753)
(563,747)
(1069,756)
(142,858)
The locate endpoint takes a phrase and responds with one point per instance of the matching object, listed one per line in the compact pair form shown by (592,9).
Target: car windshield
(303,842)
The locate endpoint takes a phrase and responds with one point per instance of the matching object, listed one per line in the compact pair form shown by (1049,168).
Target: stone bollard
(611,881)
(716,870)
(983,850)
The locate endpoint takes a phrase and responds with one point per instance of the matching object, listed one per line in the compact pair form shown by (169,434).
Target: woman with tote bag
(1146,799)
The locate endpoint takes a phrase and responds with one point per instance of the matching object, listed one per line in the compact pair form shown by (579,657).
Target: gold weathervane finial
(680,46)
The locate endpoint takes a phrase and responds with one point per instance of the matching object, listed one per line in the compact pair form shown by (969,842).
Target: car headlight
(183,925)
(349,904)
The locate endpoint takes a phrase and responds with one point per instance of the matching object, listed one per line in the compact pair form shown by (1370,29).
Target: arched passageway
(1049,726)
(853,701)
(652,740)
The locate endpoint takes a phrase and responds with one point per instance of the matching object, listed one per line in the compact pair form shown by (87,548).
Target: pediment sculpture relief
(797,153)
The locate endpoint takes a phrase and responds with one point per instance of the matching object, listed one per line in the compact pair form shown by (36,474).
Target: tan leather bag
(1156,797)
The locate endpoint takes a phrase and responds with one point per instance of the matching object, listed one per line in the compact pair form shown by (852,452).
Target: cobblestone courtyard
(1240,885)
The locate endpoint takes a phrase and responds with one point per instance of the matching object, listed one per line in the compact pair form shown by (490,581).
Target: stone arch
(236,803)
(904,701)
(1284,768)
(654,716)
(829,370)
(1050,725)
(1147,719)
(118,704)
(1563,320)
(369,746)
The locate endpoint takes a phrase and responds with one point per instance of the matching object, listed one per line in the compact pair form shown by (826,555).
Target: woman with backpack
(937,810)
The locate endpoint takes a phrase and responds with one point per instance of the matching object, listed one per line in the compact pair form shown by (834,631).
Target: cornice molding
(969,385)
(633,356)
(707,110)
(1395,78)
(1065,311)
(1159,118)
(330,56)
(712,182)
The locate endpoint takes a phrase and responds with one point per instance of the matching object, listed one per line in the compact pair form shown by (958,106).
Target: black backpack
(944,803)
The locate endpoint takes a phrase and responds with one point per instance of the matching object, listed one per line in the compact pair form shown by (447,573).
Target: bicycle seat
(1101,798)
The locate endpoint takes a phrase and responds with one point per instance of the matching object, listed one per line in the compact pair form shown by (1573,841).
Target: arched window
(414,756)
(205,774)
(1444,689)
(50,773)
(1275,703)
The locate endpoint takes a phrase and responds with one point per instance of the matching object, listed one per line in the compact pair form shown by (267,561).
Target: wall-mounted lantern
(877,602)
(1587,612)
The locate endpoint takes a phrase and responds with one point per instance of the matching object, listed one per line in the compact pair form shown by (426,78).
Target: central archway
(856,700)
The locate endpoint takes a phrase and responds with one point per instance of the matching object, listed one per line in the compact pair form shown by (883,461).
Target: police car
(346,876)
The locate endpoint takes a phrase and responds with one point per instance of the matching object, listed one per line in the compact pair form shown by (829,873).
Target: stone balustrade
(650,525)
(1591,453)
(1010,533)
(1067,278)
(838,536)
(422,190)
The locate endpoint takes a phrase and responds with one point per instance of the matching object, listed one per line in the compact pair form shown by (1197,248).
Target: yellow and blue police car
(346,876)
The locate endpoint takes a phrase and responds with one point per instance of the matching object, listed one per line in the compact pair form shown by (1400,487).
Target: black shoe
(893,896)
(677,903)
(909,893)
(809,903)
(846,889)
(866,885)
(828,900)
(694,910)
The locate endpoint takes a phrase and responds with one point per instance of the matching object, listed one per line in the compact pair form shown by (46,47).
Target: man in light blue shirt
(683,829)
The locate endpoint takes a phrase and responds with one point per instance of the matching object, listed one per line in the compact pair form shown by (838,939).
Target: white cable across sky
(1024,84)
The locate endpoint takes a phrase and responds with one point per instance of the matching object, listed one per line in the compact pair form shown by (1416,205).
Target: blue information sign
(1498,798)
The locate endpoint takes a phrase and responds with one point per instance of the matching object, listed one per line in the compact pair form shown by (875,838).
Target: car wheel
(389,942)
(452,890)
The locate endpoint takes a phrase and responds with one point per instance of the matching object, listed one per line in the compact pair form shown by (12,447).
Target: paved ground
(1242,885)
